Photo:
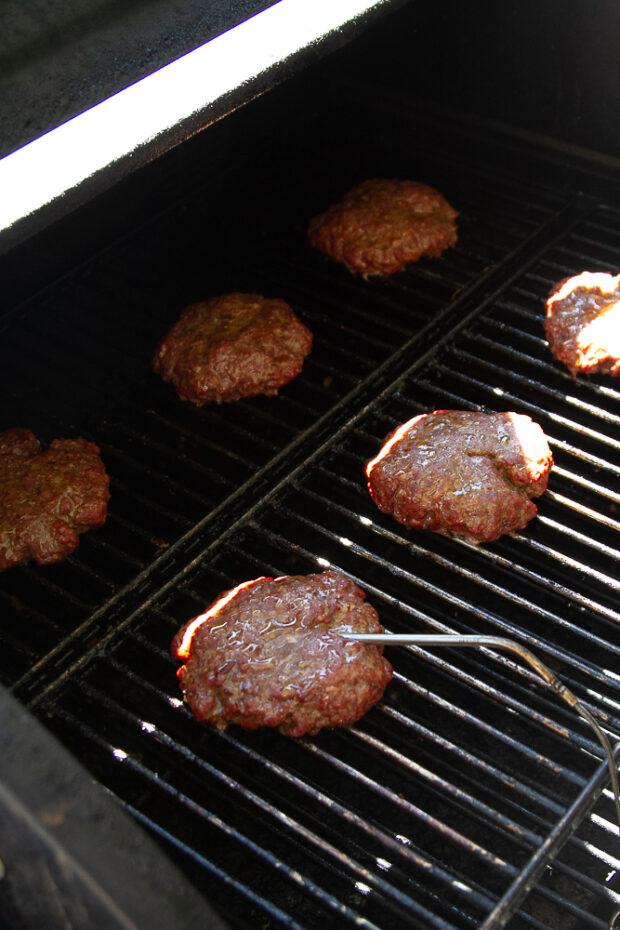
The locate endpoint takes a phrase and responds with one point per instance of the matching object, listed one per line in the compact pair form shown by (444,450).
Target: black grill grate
(442,807)
(90,339)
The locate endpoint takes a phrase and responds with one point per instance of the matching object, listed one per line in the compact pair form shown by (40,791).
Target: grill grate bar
(539,719)
(488,729)
(34,616)
(244,842)
(603,225)
(544,582)
(538,413)
(463,758)
(235,478)
(108,332)
(309,747)
(128,526)
(461,755)
(329,370)
(522,793)
(448,834)
(570,532)
(317,286)
(572,400)
(207,442)
(515,355)
(481,809)
(600,547)
(559,899)
(392,896)
(495,319)
(410,856)
(111,551)
(244,890)
(112,453)
(495,558)
(483,726)
(427,694)
(121,487)
(46,583)
(580,508)
(159,451)
(556,418)
(515,301)
(580,255)
(340,294)
(527,837)
(359,335)
(55,389)
(529,875)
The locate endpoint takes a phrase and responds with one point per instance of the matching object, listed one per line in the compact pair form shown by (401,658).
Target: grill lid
(142,83)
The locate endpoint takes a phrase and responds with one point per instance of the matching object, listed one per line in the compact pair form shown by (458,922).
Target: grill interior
(456,795)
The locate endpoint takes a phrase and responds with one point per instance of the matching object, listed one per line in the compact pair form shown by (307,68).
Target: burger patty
(47,498)
(382,224)
(462,473)
(266,654)
(582,324)
(232,346)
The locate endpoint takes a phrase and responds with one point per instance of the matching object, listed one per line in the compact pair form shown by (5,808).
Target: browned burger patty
(462,473)
(232,346)
(265,654)
(382,224)
(582,325)
(47,498)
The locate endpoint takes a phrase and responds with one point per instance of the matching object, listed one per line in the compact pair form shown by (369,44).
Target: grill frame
(61,677)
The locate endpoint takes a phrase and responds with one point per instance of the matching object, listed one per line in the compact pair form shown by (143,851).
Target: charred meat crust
(382,224)
(270,656)
(582,323)
(232,346)
(48,498)
(462,473)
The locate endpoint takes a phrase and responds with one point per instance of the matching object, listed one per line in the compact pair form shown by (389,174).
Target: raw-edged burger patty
(380,225)
(266,654)
(582,324)
(462,473)
(47,498)
(233,346)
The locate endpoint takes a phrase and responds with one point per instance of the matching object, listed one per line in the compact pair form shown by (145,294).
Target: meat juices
(47,498)
(382,224)
(233,346)
(266,654)
(582,324)
(462,473)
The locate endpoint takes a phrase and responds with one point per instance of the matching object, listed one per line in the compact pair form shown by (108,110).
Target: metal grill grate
(90,340)
(442,806)
(420,815)
(470,761)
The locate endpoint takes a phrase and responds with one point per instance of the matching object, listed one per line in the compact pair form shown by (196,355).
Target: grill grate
(171,465)
(442,807)
(439,757)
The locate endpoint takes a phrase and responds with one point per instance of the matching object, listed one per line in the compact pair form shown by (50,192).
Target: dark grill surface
(448,801)
(76,361)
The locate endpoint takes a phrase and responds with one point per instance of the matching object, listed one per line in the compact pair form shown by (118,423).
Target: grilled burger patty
(232,346)
(265,654)
(582,324)
(381,224)
(462,473)
(47,498)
